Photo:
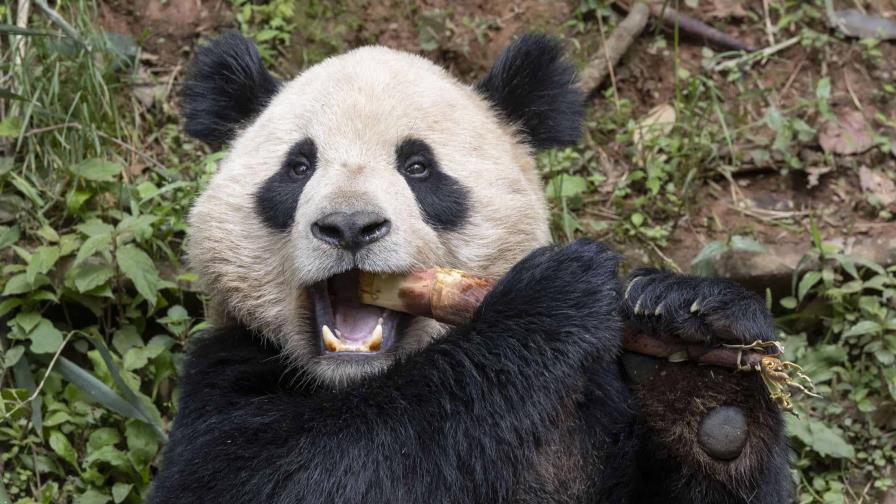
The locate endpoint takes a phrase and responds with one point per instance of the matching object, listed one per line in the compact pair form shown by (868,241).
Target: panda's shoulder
(221,359)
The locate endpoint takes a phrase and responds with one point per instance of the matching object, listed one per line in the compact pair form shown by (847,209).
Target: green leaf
(827,441)
(89,276)
(56,418)
(27,320)
(137,266)
(8,236)
(97,170)
(746,244)
(823,89)
(806,283)
(95,227)
(565,186)
(23,378)
(139,226)
(75,199)
(92,497)
(863,327)
(62,447)
(705,262)
(104,436)
(42,260)
(788,302)
(13,355)
(126,338)
(8,304)
(27,189)
(4,495)
(92,245)
(120,491)
(135,358)
(142,441)
(45,338)
(10,127)
(108,454)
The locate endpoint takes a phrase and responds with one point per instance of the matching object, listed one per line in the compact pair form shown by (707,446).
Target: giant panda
(379,160)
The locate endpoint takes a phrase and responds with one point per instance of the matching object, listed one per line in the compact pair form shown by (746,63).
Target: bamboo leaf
(96,389)
(18,30)
(9,95)
(129,394)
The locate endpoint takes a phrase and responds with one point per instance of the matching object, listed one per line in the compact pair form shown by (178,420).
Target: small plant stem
(59,21)
(43,381)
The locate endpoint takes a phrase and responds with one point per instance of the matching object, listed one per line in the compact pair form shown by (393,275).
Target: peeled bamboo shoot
(452,297)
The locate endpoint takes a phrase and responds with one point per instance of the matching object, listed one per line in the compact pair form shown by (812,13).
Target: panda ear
(533,86)
(226,86)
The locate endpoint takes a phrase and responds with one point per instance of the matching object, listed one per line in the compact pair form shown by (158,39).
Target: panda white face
(375,160)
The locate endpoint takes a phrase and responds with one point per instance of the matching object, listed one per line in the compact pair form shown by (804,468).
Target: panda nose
(351,230)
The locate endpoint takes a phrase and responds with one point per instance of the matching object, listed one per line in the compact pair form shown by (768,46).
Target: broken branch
(620,40)
(671,18)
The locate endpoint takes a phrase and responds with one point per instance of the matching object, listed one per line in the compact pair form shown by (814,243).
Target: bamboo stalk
(452,297)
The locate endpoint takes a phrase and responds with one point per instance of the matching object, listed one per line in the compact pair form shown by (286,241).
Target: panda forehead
(375,95)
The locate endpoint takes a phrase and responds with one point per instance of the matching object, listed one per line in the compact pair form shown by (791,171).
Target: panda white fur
(378,160)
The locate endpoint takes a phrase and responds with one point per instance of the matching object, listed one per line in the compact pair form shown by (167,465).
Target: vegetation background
(776,168)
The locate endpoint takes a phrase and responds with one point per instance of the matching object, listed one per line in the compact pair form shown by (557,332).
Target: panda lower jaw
(344,326)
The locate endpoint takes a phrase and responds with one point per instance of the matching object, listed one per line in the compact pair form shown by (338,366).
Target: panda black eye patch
(443,200)
(277,199)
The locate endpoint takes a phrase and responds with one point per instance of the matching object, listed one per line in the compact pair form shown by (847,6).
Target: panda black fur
(528,402)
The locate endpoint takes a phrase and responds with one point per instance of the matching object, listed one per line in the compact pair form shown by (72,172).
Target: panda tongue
(354,321)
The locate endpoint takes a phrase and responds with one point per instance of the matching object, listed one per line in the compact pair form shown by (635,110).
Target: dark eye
(300,167)
(416,169)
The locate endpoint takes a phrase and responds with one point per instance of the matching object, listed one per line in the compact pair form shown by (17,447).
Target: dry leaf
(877,184)
(658,122)
(727,8)
(611,170)
(848,134)
(815,173)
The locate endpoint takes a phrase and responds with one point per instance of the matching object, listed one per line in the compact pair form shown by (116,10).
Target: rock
(774,268)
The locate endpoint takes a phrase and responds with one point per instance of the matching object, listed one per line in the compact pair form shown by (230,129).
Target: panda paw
(698,310)
(570,288)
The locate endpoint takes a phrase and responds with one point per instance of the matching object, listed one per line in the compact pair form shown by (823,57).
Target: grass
(96,306)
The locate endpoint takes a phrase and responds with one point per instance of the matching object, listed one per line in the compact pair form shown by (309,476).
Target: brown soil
(165,30)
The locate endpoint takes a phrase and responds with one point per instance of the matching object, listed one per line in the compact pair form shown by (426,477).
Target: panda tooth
(330,341)
(376,337)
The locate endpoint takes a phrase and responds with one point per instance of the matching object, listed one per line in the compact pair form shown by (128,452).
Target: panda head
(375,160)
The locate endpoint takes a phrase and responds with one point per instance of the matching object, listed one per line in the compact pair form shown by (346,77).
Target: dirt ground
(758,199)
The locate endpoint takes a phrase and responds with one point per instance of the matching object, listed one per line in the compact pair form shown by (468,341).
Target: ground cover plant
(694,158)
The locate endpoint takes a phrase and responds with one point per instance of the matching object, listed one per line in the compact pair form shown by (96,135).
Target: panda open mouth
(344,325)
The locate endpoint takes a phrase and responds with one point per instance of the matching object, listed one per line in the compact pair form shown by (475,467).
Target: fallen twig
(618,43)
(692,26)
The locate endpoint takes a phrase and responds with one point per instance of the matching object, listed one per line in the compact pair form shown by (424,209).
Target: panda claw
(631,284)
(638,310)
(695,307)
